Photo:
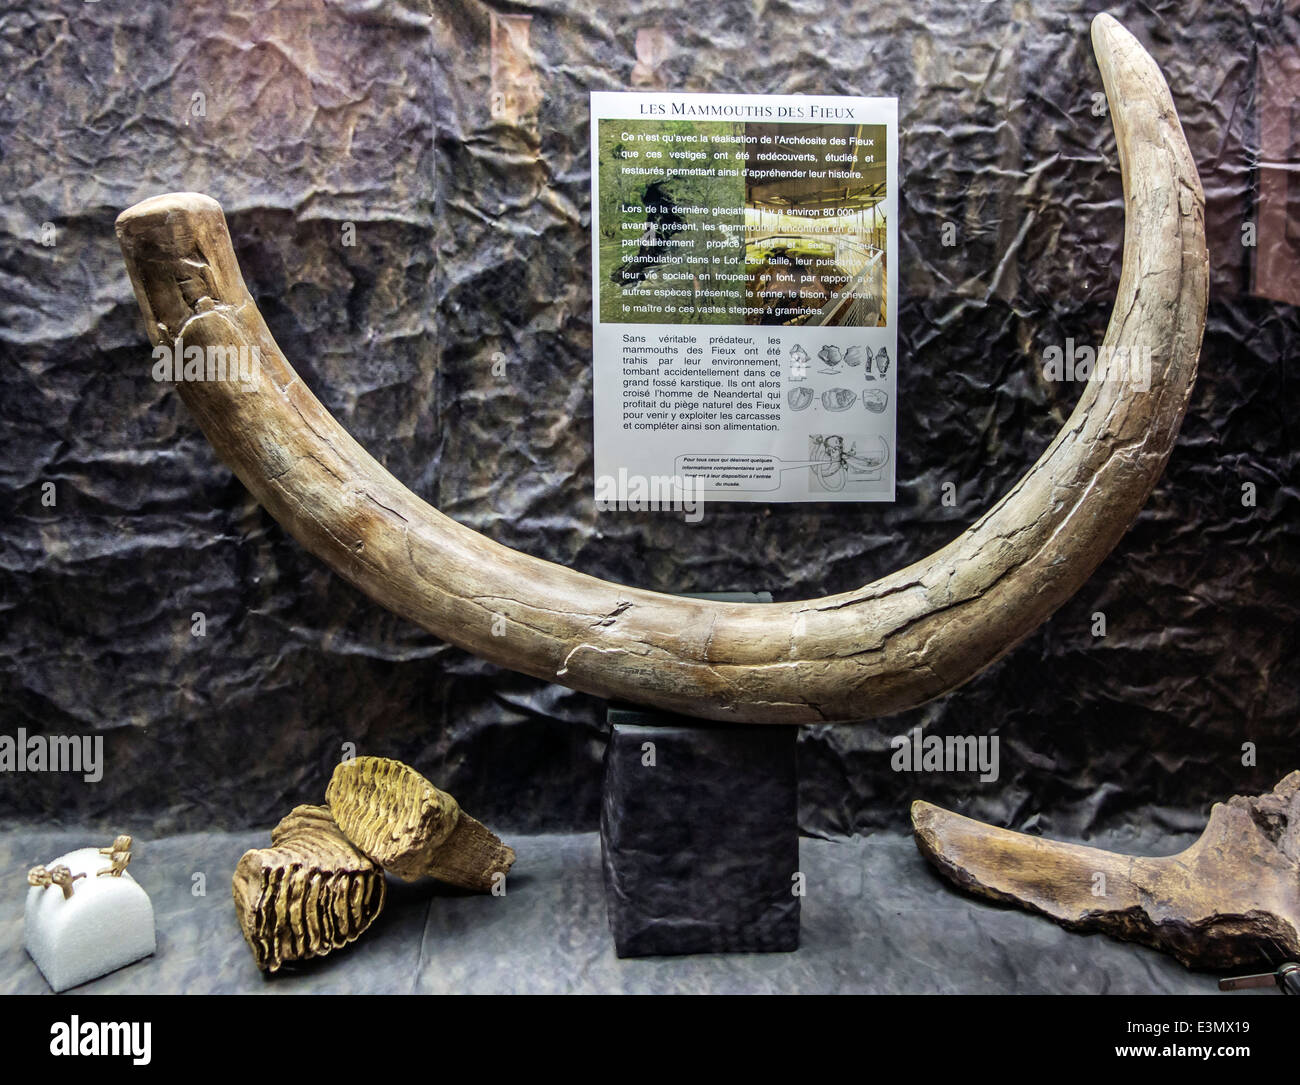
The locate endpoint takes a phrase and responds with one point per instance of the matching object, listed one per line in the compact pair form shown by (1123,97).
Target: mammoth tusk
(882,648)
(1232,898)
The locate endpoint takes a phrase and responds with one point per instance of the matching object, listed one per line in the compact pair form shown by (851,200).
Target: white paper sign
(744,285)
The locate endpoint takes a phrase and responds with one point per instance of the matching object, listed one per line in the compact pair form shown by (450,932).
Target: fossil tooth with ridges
(411,828)
(311,892)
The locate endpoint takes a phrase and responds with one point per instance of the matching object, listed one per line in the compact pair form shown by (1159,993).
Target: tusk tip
(922,813)
(1107,31)
(161,207)
(169,223)
(178,253)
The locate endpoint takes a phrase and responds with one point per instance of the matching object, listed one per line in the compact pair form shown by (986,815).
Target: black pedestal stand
(699,833)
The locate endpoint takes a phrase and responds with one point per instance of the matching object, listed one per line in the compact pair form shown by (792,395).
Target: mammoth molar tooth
(411,828)
(311,892)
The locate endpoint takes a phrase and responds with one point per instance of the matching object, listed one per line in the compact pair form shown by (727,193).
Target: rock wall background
(462,165)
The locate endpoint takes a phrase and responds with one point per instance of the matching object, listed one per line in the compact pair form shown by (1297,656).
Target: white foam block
(105,924)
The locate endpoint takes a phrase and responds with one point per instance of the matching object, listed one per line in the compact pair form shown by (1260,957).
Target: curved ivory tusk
(888,646)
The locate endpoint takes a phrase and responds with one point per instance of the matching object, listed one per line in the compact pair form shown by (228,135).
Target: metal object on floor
(1286,978)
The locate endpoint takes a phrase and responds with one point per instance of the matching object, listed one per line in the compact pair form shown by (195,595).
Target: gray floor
(875,919)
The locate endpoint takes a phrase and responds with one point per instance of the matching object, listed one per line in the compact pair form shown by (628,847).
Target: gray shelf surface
(876,919)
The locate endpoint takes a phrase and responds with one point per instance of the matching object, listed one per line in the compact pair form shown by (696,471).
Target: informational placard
(744,291)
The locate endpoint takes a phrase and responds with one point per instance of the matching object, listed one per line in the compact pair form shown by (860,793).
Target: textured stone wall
(456,146)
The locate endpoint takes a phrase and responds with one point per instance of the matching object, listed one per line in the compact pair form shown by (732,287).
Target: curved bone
(882,648)
(1232,898)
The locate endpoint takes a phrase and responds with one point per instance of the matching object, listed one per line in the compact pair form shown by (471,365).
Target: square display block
(699,836)
(106,924)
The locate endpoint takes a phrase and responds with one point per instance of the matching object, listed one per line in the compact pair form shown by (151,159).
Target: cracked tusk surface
(1231,898)
(883,648)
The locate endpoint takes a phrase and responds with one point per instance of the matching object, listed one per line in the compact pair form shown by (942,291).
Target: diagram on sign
(838,399)
(835,463)
(798,364)
(840,462)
